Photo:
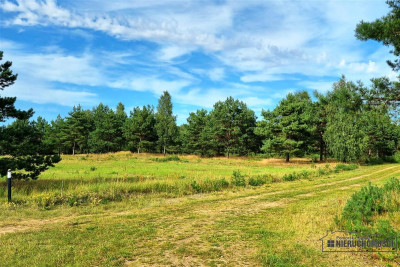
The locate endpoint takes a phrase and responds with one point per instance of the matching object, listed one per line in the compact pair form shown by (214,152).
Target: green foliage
(22,141)
(290,177)
(288,128)
(105,135)
(231,126)
(238,179)
(77,128)
(168,158)
(344,133)
(209,185)
(139,129)
(197,134)
(384,30)
(296,176)
(368,203)
(166,128)
(345,167)
(259,180)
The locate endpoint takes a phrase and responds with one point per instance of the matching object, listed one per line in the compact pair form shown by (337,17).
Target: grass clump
(208,185)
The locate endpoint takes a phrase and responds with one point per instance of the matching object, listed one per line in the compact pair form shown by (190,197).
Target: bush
(388,159)
(366,204)
(374,161)
(290,177)
(304,174)
(345,167)
(220,184)
(258,180)
(166,159)
(238,179)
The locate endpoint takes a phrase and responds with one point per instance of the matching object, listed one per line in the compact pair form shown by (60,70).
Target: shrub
(290,177)
(219,184)
(345,167)
(366,204)
(305,174)
(258,180)
(166,159)
(93,168)
(238,179)
(374,161)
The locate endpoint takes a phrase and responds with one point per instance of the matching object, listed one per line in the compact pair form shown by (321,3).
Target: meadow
(124,209)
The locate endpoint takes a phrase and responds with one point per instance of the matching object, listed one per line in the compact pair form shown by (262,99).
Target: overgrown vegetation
(373,209)
(365,206)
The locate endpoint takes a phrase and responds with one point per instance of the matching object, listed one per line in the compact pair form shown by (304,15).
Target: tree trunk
(138,148)
(73,149)
(164,151)
(287,157)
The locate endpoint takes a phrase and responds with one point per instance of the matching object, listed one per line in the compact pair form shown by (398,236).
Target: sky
(90,51)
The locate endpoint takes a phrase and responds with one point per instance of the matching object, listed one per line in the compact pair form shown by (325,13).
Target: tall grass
(94,179)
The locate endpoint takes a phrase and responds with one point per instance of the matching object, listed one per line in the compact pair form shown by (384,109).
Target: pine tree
(120,118)
(139,128)
(21,141)
(78,126)
(287,130)
(103,138)
(385,30)
(232,124)
(166,128)
(194,133)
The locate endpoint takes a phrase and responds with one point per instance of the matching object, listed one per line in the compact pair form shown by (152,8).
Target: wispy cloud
(200,51)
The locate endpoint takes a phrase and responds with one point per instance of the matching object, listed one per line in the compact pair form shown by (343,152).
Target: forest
(346,123)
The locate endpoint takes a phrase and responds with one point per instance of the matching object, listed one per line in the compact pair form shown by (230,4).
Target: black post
(9,185)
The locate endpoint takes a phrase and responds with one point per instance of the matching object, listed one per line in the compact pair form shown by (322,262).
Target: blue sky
(90,51)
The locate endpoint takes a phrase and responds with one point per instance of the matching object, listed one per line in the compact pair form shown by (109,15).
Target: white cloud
(214,74)
(320,86)
(217,74)
(261,77)
(151,84)
(169,53)
(258,41)
(251,37)
(44,93)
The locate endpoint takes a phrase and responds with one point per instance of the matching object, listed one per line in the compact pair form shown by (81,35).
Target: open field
(134,210)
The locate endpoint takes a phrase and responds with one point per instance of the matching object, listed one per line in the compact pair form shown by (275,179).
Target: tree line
(344,124)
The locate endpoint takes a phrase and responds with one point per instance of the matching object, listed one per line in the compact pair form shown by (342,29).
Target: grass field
(139,210)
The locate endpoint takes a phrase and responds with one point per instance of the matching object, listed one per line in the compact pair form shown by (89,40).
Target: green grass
(269,223)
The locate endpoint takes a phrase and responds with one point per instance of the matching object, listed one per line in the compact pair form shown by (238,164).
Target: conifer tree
(166,128)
